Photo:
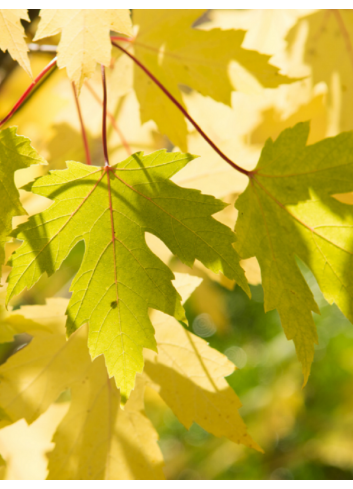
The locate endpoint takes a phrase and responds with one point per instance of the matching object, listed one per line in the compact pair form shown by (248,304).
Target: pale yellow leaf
(325,40)
(186,285)
(85,37)
(177,53)
(189,376)
(99,440)
(96,439)
(33,378)
(12,36)
(24,447)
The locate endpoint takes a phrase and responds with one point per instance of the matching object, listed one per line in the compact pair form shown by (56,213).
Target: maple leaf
(186,369)
(15,153)
(12,36)
(25,447)
(85,37)
(178,54)
(189,376)
(287,211)
(98,440)
(95,439)
(328,54)
(32,379)
(120,278)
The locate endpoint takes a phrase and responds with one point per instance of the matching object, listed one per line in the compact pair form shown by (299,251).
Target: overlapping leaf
(287,211)
(34,378)
(328,53)
(120,278)
(177,54)
(189,376)
(25,447)
(15,153)
(96,439)
(85,37)
(12,36)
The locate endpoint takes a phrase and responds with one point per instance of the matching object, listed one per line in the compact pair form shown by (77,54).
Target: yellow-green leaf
(287,211)
(110,209)
(15,153)
(12,36)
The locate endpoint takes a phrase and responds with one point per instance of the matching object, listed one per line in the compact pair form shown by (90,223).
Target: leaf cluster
(144,217)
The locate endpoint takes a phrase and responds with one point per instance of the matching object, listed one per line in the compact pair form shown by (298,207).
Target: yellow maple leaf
(189,375)
(84,37)
(96,439)
(99,440)
(325,39)
(23,394)
(12,36)
(24,447)
(178,54)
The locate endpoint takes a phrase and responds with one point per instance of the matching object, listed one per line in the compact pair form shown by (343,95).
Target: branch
(83,130)
(184,112)
(29,90)
(104,122)
(345,33)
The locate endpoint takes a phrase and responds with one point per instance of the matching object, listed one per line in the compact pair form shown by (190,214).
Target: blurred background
(305,433)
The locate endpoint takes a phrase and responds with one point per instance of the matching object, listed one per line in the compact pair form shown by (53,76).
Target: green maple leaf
(120,278)
(288,210)
(15,153)
(176,53)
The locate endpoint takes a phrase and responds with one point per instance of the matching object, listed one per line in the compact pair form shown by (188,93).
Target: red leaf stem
(183,110)
(83,130)
(29,90)
(112,120)
(104,122)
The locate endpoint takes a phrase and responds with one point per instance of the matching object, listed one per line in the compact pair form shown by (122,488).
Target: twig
(83,130)
(112,120)
(104,122)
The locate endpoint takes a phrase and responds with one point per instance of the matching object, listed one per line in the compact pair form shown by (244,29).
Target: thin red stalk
(112,120)
(119,38)
(83,130)
(185,113)
(29,90)
(345,33)
(104,123)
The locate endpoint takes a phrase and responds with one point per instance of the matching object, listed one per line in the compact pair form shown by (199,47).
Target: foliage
(83,368)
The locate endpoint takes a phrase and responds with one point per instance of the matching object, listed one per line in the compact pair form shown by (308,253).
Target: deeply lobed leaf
(287,211)
(120,278)
(96,439)
(176,53)
(85,37)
